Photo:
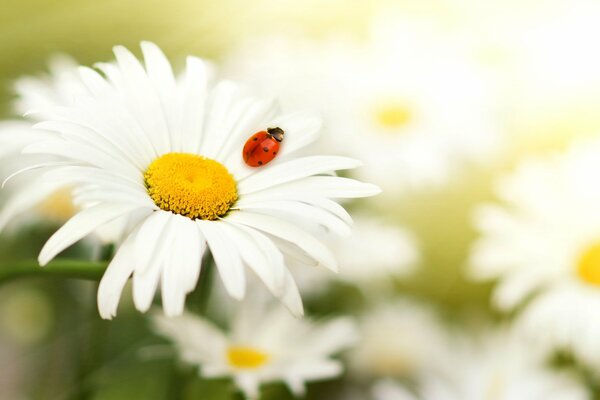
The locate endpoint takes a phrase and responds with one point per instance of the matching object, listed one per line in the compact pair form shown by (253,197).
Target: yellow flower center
(59,205)
(190,185)
(393,114)
(246,357)
(588,268)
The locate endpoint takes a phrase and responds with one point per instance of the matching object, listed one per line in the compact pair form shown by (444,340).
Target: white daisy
(401,339)
(546,238)
(404,101)
(496,367)
(262,345)
(167,155)
(45,202)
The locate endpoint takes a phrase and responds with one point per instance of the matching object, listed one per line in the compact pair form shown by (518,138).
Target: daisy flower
(544,242)
(263,344)
(166,155)
(497,366)
(40,199)
(408,105)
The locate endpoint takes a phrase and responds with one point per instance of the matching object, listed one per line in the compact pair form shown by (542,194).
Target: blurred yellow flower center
(589,265)
(190,185)
(59,205)
(246,357)
(393,114)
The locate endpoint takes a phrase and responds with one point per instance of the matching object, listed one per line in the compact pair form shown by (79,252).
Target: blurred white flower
(371,257)
(32,93)
(400,339)
(59,88)
(263,344)
(404,102)
(167,156)
(546,239)
(497,366)
(387,389)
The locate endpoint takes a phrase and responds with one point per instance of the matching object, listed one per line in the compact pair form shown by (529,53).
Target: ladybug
(262,147)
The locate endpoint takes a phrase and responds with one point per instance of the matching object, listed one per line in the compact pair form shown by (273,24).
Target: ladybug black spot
(274,153)
(260,163)
(265,149)
(255,139)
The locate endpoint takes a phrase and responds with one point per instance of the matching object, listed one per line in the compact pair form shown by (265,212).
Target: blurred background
(488,84)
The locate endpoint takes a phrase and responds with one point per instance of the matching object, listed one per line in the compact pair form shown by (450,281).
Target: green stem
(64,268)
(205,285)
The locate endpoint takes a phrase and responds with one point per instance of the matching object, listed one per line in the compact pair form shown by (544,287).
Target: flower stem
(63,268)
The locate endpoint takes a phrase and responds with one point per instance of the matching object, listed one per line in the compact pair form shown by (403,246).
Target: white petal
(80,225)
(180,274)
(332,336)
(300,129)
(220,104)
(226,256)
(248,384)
(289,233)
(115,277)
(147,276)
(150,233)
(291,298)
(294,170)
(161,77)
(318,369)
(193,104)
(250,122)
(259,253)
(316,186)
(95,83)
(303,212)
(193,335)
(320,202)
(85,154)
(36,191)
(143,99)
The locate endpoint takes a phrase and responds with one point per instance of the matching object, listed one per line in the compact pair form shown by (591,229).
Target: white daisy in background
(263,344)
(545,242)
(44,200)
(54,89)
(167,156)
(400,339)
(404,101)
(495,367)
(371,257)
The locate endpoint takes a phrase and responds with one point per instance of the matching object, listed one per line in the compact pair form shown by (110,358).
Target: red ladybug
(262,147)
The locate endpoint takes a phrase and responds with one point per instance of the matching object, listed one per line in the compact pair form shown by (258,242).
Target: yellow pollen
(393,114)
(190,185)
(588,268)
(246,357)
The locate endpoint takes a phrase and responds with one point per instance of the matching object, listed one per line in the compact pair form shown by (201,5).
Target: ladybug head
(276,133)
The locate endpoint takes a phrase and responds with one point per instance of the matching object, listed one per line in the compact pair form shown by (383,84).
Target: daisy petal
(227,258)
(259,253)
(112,283)
(316,186)
(82,224)
(288,232)
(179,277)
(193,103)
(38,190)
(302,211)
(148,236)
(294,170)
